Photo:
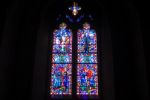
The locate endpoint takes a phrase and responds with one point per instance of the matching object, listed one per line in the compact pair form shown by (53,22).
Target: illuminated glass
(62,48)
(87,58)
(87,76)
(61,58)
(83,48)
(87,79)
(61,81)
(86,37)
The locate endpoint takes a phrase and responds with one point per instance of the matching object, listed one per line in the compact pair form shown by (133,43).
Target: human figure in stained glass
(87,70)
(65,80)
(61,61)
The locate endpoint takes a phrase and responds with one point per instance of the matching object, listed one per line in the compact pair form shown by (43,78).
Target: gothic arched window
(61,61)
(87,78)
(86,67)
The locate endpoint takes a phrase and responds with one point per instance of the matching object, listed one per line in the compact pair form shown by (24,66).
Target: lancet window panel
(61,67)
(87,76)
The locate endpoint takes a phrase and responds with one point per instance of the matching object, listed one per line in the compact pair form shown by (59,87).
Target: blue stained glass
(62,40)
(62,48)
(86,37)
(61,72)
(87,77)
(87,67)
(61,68)
(85,90)
(62,36)
(60,84)
(62,58)
(87,48)
(87,58)
(62,32)
(61,79)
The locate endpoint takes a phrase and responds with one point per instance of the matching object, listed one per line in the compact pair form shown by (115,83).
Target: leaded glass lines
(87,78)
(61,79)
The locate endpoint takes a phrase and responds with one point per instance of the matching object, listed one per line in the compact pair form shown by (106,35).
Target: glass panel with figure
(87,76)
(61,70)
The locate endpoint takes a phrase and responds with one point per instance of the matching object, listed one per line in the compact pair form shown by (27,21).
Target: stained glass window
(61,62)
(87,77)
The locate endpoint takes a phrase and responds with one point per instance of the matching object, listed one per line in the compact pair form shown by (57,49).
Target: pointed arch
(61,69)
(87,76)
